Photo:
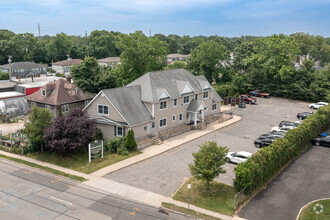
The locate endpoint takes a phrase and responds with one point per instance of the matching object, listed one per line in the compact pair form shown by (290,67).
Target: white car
(284,128)
(238,157)
(317,105)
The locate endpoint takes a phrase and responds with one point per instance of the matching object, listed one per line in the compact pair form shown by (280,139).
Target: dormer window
(43,92)
(74,91)
(205,95)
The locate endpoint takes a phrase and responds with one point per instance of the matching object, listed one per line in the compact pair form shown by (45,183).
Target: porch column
(203,116)
(195,118)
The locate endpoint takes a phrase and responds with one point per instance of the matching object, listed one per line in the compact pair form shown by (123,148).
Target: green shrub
(98,134)
(111,145)
(130,141)
(122,150)
(31,146)
(267,162)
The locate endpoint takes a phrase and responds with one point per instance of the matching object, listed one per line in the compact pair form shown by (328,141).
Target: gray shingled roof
(23,65)
(194,105)
(173,81)
(127,101)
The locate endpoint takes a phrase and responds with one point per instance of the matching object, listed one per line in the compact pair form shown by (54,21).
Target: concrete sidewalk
(165,146)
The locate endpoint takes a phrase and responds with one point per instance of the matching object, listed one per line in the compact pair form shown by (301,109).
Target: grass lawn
(79,162)
(219,198)
(44,168)
(188,211)
(309,213)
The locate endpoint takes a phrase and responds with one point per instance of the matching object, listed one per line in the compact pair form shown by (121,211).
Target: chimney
(68,78)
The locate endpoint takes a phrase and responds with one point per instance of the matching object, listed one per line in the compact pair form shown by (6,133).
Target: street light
(9,61)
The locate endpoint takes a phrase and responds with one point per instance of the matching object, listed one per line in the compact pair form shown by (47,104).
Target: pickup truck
(259,94)
(248,99)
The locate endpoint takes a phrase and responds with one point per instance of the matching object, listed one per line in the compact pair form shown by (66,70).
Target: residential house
(57,96)
(21,70)
(154,104)
(109,61)
(64,66)
(171,58)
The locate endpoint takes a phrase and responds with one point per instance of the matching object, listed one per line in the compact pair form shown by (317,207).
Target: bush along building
(156,106)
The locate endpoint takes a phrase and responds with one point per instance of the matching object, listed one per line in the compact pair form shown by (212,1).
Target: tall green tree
(91,77)
(140,55)
(207,60)
(59,47)
(208,162)
(102,44)
(40,118)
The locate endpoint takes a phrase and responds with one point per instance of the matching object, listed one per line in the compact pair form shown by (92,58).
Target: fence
(240,197)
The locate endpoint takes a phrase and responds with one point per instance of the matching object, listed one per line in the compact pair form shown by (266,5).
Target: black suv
(273,134)
(288,123)
(322,140)
(265,141)
(303,115)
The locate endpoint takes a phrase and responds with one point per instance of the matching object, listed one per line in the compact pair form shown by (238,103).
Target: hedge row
(267,162)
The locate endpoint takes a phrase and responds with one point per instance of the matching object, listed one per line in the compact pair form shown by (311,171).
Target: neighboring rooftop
(176,55)
(23,65)
(109,60)
(7,84)
(67,62)
(59,92)
(4,95)
(37,81)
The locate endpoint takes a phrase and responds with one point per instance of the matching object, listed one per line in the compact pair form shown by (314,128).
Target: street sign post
(95,150)
(189,186)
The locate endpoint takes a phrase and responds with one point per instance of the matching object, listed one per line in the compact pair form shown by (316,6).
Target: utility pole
(86,43)
(9,61)
(39,30)
(150,32)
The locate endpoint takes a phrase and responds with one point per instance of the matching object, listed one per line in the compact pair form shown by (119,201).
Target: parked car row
(322,140)
(317,105)
(276,132)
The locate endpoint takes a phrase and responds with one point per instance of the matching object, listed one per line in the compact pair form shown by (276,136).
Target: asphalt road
(304,180)
(165,173)
(27,193)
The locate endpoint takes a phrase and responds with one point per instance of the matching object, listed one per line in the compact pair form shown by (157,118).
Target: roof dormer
(185,88)
(162,94)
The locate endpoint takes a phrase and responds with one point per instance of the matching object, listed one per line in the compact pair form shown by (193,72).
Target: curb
(309,204)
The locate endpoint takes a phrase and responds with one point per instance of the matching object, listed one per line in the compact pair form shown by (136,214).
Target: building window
(175,102)
(214,107)
(103,109)
(153,124)
(163,105)
(33,104)
(43,92)
(180,117)
(65,108)
(47,107)
(205,95)
(120,131)
(145,128)
(173,118)
(185,99)
(196,96)
(162,122)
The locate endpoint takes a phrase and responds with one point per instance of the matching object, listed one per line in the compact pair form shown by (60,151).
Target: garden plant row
(263,166)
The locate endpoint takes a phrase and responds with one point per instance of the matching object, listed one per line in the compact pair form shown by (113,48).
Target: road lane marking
(60,200)
(132,213)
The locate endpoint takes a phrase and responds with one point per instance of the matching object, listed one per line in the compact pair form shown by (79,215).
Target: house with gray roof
(21,70)
(155,105)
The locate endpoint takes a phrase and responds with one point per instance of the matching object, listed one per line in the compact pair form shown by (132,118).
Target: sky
(229,18)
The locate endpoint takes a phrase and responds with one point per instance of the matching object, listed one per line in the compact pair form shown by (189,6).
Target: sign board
(95,150)
(18,136)
(189,186)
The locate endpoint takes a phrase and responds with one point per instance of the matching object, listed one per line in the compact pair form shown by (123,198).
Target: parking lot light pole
(189,186)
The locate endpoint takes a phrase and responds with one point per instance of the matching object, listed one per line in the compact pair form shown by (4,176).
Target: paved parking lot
(304,180)
(165,173)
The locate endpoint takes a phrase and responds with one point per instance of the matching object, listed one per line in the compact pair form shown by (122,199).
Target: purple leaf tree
(69,133)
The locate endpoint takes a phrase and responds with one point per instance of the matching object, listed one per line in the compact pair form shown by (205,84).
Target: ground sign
(18,136)
(95,150)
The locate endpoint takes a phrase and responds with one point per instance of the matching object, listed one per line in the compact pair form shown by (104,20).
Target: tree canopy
(208,162)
